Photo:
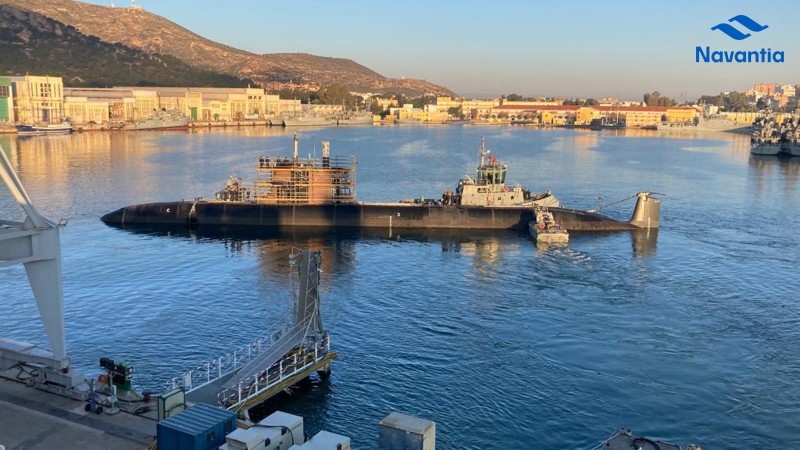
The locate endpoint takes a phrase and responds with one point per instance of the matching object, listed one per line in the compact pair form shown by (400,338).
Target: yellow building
(556,118)
(585,115)
(744,118)
(38,99)
(206,104)
(681,115)
(478,108)
(445,103)
(643,118)
(81,110)
(386,103)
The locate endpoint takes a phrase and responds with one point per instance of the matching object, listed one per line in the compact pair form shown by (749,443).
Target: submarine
(320,193)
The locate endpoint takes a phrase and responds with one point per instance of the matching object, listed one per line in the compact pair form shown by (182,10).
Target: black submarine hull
(354,215)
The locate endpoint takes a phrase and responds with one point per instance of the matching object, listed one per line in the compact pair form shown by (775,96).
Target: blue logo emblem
(743,20)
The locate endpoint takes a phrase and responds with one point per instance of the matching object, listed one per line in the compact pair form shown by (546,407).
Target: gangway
(254,373)
(35,243)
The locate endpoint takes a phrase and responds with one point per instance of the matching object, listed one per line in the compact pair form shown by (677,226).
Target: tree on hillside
(737,102)
(715,100)
(514,97)
(401,99)
(655,99)
(335,94)
(303,96)
(375,107)
(731,101)
(423,100)
(455,111)
(579,102)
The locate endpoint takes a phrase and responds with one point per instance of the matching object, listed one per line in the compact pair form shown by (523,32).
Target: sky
(484,48)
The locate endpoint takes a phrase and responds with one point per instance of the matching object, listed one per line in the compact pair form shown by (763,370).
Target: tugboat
(309,192)
(489,188)
(546,230)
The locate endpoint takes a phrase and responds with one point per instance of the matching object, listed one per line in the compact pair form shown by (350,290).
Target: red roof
(596,108)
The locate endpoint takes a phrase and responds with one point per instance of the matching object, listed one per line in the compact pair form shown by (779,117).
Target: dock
(39,420)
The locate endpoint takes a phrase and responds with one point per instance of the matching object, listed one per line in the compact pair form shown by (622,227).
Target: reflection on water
(644,242)
(767,170)
(487,249)
(568,341)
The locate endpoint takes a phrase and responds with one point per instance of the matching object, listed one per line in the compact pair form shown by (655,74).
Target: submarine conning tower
(647,212)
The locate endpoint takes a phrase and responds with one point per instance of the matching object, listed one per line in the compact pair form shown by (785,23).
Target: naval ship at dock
(320,193)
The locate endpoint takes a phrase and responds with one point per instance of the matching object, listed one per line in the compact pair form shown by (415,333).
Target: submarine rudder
(647,212)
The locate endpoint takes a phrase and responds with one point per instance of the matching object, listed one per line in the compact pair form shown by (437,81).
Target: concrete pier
(38,420)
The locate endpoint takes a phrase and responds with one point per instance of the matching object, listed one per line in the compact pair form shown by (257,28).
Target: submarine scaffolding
(308,181)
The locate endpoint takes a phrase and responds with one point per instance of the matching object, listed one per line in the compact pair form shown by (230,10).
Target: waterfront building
(6,100)
(555,118)
(681,115)
(81,110)
(223,104)
(445,103)
(531,102)
(585,115)
(38,99)
(478,108)
(786,90)
(642,118)
(122,103)
(742,118)
(634,116)
(206,104)
(386,103)
(474,108)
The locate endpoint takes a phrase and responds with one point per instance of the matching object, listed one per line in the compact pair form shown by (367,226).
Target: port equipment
(119,373)
(201,427)
(36,244)
(403,432)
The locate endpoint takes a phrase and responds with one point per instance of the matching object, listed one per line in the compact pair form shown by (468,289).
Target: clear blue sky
(485,48)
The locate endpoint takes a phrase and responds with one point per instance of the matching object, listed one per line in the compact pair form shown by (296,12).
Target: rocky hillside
(138,29)
(32,43)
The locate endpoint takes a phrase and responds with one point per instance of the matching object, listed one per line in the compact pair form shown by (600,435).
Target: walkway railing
(217,368)
(295,363)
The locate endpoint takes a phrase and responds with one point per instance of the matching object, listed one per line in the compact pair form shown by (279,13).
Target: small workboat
(63,127)
(545,228)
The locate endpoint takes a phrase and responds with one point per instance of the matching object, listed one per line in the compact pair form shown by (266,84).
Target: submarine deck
(355,215)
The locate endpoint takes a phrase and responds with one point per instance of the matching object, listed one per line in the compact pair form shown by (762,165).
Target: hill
(139,29)
(32,43)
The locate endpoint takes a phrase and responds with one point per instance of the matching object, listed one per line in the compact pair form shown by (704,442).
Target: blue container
(201,427)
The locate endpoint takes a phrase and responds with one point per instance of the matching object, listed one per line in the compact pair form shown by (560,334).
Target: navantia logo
(764,55)
(745,21)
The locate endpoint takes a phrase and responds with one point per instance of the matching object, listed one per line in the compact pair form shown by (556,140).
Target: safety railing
(258,383)
(217,368)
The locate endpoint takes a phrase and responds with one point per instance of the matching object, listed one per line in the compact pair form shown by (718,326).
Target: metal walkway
(260,370)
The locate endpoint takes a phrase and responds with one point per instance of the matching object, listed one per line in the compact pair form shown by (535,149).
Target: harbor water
(689,334)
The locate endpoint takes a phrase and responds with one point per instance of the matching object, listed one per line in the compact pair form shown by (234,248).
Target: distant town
(34,99)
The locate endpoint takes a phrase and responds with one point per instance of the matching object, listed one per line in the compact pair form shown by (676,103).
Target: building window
(4,92)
